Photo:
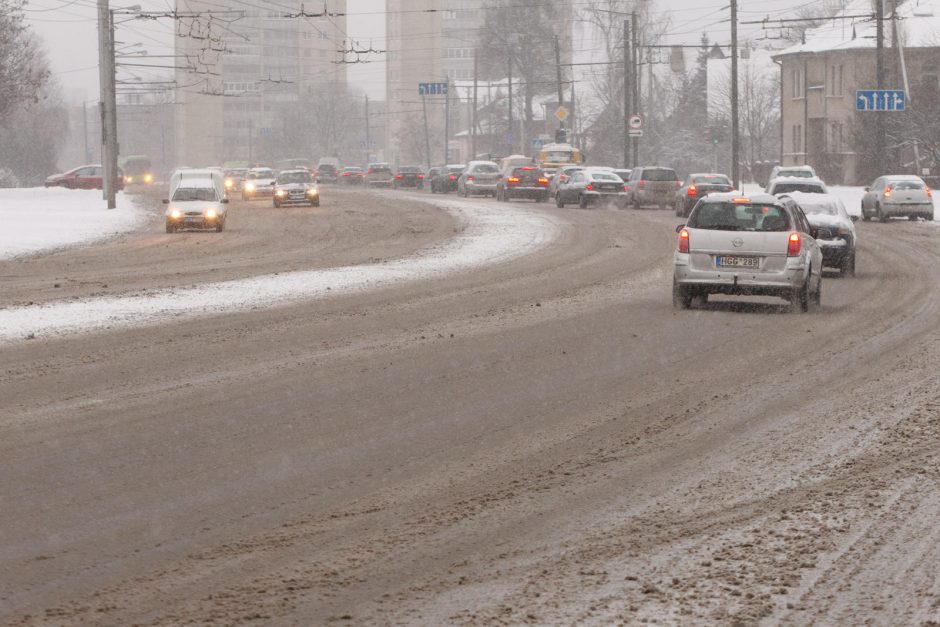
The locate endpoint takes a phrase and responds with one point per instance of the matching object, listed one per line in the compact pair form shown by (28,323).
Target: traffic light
(561,136)
(716,141)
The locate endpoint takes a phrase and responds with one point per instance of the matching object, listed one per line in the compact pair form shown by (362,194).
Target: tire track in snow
(490,234)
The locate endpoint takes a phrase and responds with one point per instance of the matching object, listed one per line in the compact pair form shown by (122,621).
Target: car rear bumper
(526,192)
(906,208)
(739,281)
(612,197)
(480,188)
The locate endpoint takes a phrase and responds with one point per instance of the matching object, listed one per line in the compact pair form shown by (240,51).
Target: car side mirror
(166,201)
(814,232)
(854,218)
(866,189)
(225,201)
(273,183)
(680,227)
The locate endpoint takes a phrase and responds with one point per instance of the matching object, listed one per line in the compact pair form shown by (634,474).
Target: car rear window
(711,180)
(605,176)
(810,188)
(408,169)
(906,185)
(526,171)
(800,174)
(659,174)
(728,216)
(828,208)
(486,168)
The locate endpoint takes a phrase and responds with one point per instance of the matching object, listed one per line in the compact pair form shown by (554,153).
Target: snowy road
(539,439)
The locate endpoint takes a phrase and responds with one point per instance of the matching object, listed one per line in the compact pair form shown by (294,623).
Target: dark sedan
(409,176)
(446,179)
(591,186)
(352,176)
(835,229)
(698,186)
(522,182)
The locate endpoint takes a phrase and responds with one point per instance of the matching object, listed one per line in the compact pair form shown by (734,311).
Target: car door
(575,186)
(868,200)
(806,232)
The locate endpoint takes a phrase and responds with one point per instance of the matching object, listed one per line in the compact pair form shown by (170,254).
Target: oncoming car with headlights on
(196,203)
(751,246)
(296,187)
(259,182)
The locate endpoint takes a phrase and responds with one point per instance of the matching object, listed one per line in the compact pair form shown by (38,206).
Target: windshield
(802,174)
(711,180)
(728,216)
(659,174)
(261,174)
(809,188)
(293,177)
(189,194)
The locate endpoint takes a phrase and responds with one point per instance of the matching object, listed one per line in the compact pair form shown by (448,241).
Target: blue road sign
(538,143)
(432,89)
(880,100)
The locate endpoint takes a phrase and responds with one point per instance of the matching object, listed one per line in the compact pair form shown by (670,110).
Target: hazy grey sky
(68,28)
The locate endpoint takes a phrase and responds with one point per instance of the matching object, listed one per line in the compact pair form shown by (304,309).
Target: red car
(84,177)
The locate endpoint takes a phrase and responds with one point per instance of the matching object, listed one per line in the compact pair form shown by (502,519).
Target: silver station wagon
(758,245)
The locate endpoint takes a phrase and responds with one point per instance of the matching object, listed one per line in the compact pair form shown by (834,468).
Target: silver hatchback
(901,195)
(758,245)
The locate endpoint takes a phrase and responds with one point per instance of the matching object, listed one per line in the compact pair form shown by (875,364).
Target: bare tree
(328,121)
(23,67)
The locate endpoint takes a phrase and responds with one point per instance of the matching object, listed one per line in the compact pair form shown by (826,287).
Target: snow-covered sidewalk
(37,219)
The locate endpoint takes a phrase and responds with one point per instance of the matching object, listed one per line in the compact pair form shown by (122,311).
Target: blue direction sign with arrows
(880,100)
(432,89)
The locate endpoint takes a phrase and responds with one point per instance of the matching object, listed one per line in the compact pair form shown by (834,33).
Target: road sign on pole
(635,132)
(880,100)
(635,123)
(432,89)
(561,113)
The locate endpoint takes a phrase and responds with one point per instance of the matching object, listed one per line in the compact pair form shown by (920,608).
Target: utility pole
(510,107)
(447,120)
(627,92)
(368,134)
(880,134)
(473,112)
(634,80)
(85,131)
(561,94)
(427,134)
(735,139)
(108,102)
(251,127)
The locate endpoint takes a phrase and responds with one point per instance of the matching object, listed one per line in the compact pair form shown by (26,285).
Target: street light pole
(108,102)
(735,138)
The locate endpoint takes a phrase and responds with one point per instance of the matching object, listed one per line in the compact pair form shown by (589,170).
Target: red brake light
(929,192)
(543,181)
(640,183)
(692,191)
(684,241)
(590,187)
(453,178)
(358,173)
(512,180)
(469,178)
(794,245)
(527,169)
(399,176)
(345,173)
(626,188)
(888,191)
(421,176)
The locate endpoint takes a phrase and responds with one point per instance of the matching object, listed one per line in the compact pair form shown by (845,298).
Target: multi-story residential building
(820,125)
(244,68)
(436,41)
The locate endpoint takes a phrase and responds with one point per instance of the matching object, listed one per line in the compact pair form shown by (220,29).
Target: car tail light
(692,191)
(543,181)
(929,192)
(453,178)
(527,169)
(359,174)
(590,187)
(421,176)
(469,179)
(684,241)
(678,183)
(626,188)
(641,183)
(794,245)
(512,180)
(399,177)
(888,191)
(345,173)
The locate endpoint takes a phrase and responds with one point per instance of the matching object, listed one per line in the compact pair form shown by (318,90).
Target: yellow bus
(554,156)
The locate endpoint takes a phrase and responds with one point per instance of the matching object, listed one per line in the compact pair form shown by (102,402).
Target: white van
(196,202)
(216,175)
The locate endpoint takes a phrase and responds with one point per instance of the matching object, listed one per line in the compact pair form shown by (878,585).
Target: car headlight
(313,192)
(148,178)
(211,214)
(281,193)
(128,179)
(229,183)
(250,187)
(176,214)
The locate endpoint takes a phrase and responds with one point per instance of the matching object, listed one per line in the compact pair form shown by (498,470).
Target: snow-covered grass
(37,219)
(491,233)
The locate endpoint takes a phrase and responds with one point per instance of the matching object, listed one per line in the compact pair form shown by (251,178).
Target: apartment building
(820,124)
(246,69)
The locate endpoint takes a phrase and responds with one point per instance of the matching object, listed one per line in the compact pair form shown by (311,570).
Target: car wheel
(636,203)
(277,205)
(800,297)
(681,296)
(881,215)
(848,265)
(817,296)
(220,226)
(583,201)
(316,203)
(170,228)
(559,202)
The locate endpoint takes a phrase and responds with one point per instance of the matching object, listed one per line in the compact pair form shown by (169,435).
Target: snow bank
(38,219)
(491,233)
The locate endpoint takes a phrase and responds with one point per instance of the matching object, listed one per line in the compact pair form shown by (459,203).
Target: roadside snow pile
(490,234)
(37,219)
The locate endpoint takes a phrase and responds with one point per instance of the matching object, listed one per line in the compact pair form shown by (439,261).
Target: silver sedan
(897,196)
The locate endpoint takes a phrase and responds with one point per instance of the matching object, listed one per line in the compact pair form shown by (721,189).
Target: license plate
(737,262)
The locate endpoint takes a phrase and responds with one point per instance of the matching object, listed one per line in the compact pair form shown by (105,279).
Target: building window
(835,139)
(797,138)
(797,83)
(836,80)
